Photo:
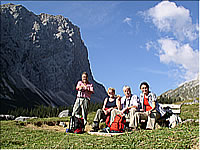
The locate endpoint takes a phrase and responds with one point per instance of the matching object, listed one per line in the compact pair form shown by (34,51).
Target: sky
(133,41)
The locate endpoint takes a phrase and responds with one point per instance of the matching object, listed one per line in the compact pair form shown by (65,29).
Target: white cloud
(168,17)
(128,21)
(150,45)
(187,59)
(176,51)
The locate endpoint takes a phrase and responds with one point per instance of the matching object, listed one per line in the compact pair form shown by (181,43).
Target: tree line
(47,111)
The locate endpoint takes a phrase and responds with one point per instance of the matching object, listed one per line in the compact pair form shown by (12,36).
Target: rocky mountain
(42,57)
(187,90)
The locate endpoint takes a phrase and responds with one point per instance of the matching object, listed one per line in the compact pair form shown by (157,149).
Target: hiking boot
(95,125)
(105,130)
(128,129)
(94,130)
(134,129)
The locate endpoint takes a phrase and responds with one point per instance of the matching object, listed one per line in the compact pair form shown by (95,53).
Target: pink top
(87,90)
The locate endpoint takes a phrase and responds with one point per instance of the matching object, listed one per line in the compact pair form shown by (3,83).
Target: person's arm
(141,102)
(90,88)
(154,99)
(132,107)
(124,109)
(153,103)
(118,102)
(134,102)
(153,106)
(104,104)
(79,87)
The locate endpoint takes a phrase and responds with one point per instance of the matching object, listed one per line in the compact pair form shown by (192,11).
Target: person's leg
(99,115)
(152,120)
(131,116)
(136,119)
(113,113)
(76,107)
(84,106)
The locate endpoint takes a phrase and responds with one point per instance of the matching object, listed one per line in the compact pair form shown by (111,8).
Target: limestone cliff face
(43,54)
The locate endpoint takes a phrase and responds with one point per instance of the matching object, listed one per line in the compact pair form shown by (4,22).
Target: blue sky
(130,41)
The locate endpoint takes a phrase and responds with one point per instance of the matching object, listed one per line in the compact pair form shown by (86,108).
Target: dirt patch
(54,128)
(88,128)
(196,144)
(46,127)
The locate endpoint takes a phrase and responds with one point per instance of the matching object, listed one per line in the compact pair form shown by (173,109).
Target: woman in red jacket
(150,110)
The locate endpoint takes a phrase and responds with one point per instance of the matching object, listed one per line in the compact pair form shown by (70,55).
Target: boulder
(64,113)
(7,117)
(22,118)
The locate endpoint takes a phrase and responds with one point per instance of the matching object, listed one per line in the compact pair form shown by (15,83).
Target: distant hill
(187,90)
(42,57)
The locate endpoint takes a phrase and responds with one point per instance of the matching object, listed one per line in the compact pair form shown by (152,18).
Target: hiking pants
(83,104)
(100,115)
(151,119)
(130,115)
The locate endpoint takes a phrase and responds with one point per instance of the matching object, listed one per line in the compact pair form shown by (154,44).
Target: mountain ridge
(42,55)
(187,90)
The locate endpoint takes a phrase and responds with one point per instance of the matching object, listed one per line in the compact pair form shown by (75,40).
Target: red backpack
(118,124)
(76,125)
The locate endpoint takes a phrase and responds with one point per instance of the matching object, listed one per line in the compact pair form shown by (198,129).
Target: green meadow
(27,135)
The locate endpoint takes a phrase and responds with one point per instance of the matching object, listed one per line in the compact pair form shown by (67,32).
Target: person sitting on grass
(129,105)
(111,102)
(150,109)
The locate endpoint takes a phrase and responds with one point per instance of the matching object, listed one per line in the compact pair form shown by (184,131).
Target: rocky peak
(187,90)
(45,51)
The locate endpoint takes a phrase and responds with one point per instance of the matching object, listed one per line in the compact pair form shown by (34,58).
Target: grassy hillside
(190,112)
(24,136)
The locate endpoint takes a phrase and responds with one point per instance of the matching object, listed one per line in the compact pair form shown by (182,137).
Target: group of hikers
(130,106)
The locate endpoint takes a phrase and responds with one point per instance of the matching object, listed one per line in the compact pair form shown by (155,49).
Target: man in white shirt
(129,105)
